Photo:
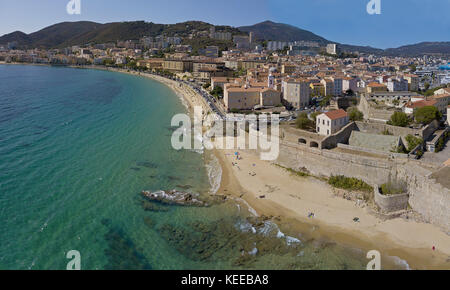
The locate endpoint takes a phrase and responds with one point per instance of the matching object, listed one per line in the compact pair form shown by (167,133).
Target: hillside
(18,36)
(76,33)
(420,49)
(269,30)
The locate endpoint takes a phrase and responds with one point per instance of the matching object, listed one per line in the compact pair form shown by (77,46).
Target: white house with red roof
(331,122)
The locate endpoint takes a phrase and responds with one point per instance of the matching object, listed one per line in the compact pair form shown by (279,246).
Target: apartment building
(376,87)
(397,85)
(297,92)
(349,83)
(248,98)
(219,35)
(442,101)
(332,48)
(210,51)
(277,45)
(250,64)
(413,82)
(177,66)
(328,86)
(151,64)
(242,42)
(221,81)
(288,68)
(337,86)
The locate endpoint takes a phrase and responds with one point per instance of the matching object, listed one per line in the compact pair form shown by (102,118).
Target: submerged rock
(146,164)
(149,222)
(149,206)
(121,251)
(185,187)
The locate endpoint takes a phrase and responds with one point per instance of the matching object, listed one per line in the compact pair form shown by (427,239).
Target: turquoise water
(76,149)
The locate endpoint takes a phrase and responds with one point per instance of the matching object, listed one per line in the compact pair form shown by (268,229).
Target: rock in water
(173,197)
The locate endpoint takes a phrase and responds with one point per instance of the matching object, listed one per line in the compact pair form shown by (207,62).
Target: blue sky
(345,21)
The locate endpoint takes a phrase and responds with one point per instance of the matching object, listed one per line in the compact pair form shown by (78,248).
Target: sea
(77,148)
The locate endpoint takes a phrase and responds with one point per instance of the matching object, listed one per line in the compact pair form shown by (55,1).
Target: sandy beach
(273,191)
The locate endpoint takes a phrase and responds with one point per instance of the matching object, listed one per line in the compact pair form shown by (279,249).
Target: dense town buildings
(251,75)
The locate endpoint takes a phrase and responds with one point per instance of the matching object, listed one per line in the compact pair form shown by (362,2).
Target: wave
(199,138)
(269,229)
(181,97)
(214,174)
(250,209)
(400,262)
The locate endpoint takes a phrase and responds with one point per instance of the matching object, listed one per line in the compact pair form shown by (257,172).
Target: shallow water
(76,149)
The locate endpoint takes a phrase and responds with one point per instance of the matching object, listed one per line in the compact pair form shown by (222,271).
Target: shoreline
(408,240)
(290,199)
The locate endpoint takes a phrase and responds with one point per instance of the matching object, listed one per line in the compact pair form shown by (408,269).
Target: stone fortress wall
(426,195)
(390,203)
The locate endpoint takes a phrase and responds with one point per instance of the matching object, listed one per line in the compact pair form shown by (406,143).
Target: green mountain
(79,33)
(440,48)
(269,30)
(19,36)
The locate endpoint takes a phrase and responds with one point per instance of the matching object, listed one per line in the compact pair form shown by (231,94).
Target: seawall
(426,195)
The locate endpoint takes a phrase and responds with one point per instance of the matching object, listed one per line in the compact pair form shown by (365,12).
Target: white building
(349,84)
(332,48)
(242,41)
(331,122)
(277,45)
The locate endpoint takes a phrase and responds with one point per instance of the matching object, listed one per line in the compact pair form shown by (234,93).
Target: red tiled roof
(374,84)
(336,114)
(421,104)
(440,96)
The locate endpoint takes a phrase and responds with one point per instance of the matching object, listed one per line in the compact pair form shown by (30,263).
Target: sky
(401,22)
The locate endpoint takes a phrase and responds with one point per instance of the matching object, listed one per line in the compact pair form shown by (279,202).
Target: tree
(303,122)
(217,92)
(427,114)
(325,101)
(413,142)
(349,93)
(399,119)
(355,115)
